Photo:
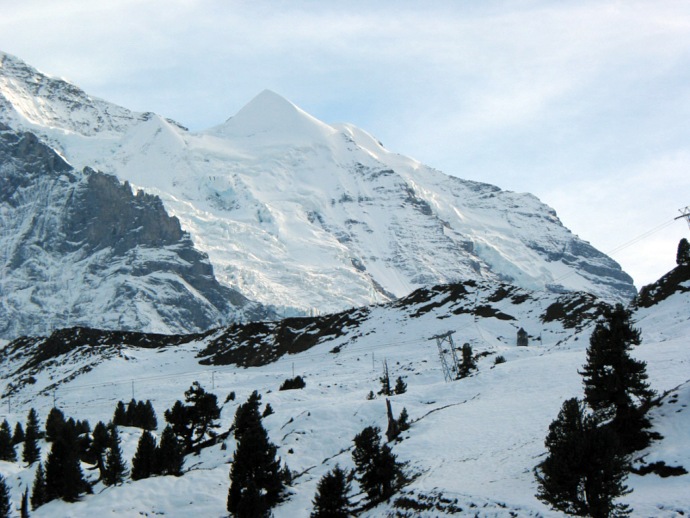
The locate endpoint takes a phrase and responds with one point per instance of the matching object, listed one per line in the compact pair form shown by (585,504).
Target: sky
(585,104)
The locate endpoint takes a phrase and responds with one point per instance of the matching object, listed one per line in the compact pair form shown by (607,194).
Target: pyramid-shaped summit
(272,117)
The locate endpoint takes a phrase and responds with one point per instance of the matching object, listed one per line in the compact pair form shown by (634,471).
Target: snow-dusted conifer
(616,386)
(39,494)
(5,503)
(120,415)
(115,468)
(584,471)
(379,472)
(169,454)
(7,451)
(18,434)
(256,484)
(64,478)
(400,386)
(332,496)
(144,461)
(54,423)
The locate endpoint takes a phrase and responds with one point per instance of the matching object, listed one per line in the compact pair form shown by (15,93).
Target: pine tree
(99,445)
(400,386)
(18,435)
(614,382)
(256,484)
(379,472)
(5,503)
(64,478)
(30,451)
(194,421)
(7,451)
(203,412)
(180,423)
(24,509)
(54,422)
(131,414)
(148,416)
(169,457)
(385,380)
(468,363)
(39,494)
(115,468)
(144,461)
(584,471)
(120,415)
(403,420)
(683,254)
(331,499)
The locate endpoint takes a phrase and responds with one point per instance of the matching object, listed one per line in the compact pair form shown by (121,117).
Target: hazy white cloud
(584,103)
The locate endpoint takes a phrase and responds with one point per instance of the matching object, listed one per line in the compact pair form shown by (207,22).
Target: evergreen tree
(584,471)
(99,444)
(18,435)
(39,494)
(5,503)
(7,451)
(144,461)
(614,382)
(385,380)
(400,386)
(683,254)
(256,484)
(268,410)
(180,423)
(293,383)
(64,478)
(379,472)
(169,455)
(148,416)
(468,363)
(203,412)
(331,499)
(32,421)
(54,423)
(403,420)
(24,509)
(120,415)
(131,413)
(115,468)
(31,452)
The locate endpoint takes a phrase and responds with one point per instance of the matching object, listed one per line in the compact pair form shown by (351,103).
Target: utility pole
(449,371)
(684,213)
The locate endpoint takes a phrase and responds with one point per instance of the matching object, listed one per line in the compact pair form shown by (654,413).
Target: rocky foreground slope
(472,443)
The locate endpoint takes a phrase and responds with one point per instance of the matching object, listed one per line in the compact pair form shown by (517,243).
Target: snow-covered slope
(300,214)
(472,444)
(79,248)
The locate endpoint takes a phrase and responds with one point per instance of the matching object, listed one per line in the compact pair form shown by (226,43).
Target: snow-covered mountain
(303,215)
(79,248)
(472,444)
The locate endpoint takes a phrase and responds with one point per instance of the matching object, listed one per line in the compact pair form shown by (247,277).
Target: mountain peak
(271,116)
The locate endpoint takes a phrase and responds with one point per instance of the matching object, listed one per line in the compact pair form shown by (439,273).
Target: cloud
(583,103)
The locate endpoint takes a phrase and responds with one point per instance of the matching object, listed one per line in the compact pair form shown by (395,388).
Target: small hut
(522,339)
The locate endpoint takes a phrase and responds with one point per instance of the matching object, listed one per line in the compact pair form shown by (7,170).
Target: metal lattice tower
(684,213)
(449,371)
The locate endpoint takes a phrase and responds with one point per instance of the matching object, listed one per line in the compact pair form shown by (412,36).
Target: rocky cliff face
(79,248)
